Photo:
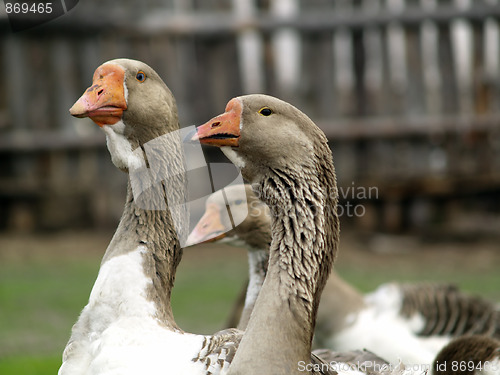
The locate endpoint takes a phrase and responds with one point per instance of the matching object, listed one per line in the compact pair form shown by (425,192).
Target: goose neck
(257,265)
(151,234)
(154,219)
(305,233)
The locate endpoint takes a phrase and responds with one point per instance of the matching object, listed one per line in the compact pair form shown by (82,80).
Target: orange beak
(223,130)
(104,101)
(209,228)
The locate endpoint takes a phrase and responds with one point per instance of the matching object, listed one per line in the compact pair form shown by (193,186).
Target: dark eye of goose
(266,111)
(140,76)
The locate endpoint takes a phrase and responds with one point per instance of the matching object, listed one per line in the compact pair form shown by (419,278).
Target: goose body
(469,355)
(423,316)
(445,309)
(257,133)
(410,322)
(127,327)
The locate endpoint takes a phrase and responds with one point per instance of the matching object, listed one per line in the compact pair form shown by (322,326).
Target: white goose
(424,316)
(286,158)
(127,326)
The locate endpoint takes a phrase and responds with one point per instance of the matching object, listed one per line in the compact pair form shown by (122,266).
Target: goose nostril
(100,92)
(215,125)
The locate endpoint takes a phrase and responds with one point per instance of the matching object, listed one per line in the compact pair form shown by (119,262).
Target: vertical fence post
(343,64)
(250,48)
(431,74)
(462,46)
(287,51)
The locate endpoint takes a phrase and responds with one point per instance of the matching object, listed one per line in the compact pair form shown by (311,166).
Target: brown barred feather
(448,311)
(220,347)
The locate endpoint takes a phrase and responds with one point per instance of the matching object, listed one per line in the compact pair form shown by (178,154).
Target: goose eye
(265,111)
(140,76)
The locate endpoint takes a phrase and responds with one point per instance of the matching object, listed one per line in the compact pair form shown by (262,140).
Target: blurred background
(407,91)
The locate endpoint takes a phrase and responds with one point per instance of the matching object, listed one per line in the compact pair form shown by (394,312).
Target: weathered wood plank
(17,85)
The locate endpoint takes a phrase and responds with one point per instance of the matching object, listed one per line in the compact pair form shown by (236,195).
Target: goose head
(282,153)
(235,216)
(131,103)
(260,132)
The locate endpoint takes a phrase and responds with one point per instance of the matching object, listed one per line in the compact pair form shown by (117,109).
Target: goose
(254,234)
(128,327)
(423,315)
(257,133)
(469,355)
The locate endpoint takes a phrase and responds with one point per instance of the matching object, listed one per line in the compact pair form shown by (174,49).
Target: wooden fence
(408,92)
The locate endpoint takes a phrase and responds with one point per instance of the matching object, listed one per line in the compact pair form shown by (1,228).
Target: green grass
(44,286)
(204,294)
(30,365)
(40,299)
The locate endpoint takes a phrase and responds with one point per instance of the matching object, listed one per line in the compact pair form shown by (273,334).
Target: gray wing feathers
(448,311)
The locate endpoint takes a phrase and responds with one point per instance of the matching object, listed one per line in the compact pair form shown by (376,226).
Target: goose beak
(104,101)
(209,228)
(222,130)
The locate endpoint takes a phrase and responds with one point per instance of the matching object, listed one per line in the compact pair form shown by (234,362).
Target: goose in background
(253,233)
(128,327)
(339,299)
(257,133)
(469,355)
(423,315)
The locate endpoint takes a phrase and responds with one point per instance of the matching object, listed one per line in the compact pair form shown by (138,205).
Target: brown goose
(422,315)
(469,355)
(257,133)
(127,326)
